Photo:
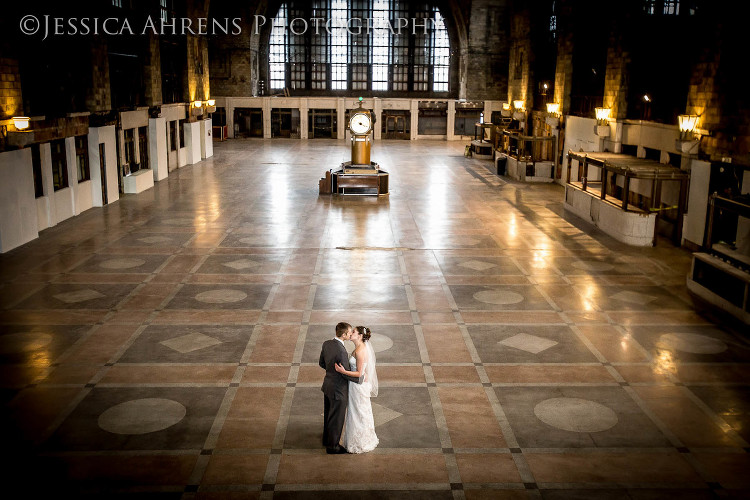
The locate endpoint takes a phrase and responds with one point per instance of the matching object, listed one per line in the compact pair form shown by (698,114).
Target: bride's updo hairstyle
(365,333)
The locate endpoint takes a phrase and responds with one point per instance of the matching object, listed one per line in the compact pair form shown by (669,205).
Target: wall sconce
(519,113)
(553,114)
(211,106)
(506,110)
(21,122)
(602,122)
(20,136)
(689,135)
(196,108)
(602,116)
(687,124)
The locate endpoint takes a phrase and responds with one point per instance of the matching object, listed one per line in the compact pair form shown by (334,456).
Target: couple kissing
(349,383)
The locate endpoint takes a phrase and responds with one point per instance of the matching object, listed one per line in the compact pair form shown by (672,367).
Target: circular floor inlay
(691,342)
(381,342)
(142,416)
(575,415)
(592,265)
(499,297)
(123,263)
(23,342)
(221,296)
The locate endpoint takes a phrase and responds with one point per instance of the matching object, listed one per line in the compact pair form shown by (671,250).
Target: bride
(359,429)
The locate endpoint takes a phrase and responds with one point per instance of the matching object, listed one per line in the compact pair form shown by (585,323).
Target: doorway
(396,124)
(103,173)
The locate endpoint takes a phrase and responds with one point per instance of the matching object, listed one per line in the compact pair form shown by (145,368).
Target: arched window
(371,45)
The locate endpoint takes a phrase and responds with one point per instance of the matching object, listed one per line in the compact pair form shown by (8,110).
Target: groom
(335,387)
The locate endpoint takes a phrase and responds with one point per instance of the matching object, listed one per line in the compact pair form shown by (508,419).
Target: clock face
(360,123)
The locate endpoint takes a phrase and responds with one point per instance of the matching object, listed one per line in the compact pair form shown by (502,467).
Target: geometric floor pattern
(166,346)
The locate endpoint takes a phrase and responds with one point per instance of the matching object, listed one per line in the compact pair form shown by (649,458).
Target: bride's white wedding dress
(359,430)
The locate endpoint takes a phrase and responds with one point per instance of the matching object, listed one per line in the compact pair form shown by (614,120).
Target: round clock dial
(360,123)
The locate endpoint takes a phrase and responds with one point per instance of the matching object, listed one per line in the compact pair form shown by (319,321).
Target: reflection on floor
(168,343)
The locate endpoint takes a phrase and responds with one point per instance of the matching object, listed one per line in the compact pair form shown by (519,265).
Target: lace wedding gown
(359,430)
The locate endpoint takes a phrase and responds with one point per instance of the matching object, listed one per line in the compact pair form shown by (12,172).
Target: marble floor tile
(578,417)
(188,344)
(470,419)
(242,264)
(149,418)
(529,344)
(499,298)
(124,263)
(89,296)
(220,297)
(607,468)
(374,295)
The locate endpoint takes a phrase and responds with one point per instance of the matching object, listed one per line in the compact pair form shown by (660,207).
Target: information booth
(627,197)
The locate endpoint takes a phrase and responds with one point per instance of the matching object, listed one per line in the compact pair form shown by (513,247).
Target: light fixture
(210,105)
(646,98)
(21,122)
(519,114)
(687,124)
(553,114)
(196,108)
(602,115)
(518,105)
(689,136)
(506,110)
(602,122)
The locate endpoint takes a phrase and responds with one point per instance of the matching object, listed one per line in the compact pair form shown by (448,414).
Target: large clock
(360,123)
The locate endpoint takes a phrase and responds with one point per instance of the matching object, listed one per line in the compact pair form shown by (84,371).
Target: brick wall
(152,72)
(11,101)
(519,59)
(564,66)
(488,33)
(616,76)
(99,96)
(235,63)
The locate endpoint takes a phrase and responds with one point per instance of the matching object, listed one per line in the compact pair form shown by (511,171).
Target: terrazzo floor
(166,346)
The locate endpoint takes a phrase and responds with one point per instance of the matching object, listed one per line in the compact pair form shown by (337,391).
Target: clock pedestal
(360,175)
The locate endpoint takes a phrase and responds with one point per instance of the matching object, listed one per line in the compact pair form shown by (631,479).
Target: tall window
(376,45)
(667,7)
(59,164)
(339,45)
(440,54)
(277,50)
(553,22)
(380,44)
(672,7)
(164,10)
(36,164)
(82,158)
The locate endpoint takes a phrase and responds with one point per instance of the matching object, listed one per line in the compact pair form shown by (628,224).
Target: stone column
(157,145)
(451,121)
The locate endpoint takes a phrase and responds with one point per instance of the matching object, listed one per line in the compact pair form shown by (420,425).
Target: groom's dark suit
(336,392)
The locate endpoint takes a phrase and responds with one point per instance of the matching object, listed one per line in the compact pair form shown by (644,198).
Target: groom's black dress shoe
(338,450)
